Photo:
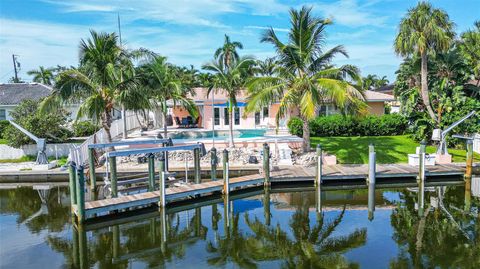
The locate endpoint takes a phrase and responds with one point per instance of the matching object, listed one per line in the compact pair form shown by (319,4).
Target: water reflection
(428,226)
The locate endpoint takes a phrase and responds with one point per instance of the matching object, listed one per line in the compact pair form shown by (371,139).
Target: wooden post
(82,247)
(75,254)
(91,169)
(213,162)
(318,174)
(113,175)
(196,163)
(162,201)
(80,182)
(421,162)
(115,241)
(371,165)
(266,206)
(72,175)
(469,160)
(266,164)
(151,172)
(226,188)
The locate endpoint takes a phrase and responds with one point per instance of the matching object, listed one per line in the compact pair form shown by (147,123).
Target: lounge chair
(177,121)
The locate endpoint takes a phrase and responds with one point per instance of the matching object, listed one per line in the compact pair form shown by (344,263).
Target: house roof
(14,93)
(372,96)
(387,89)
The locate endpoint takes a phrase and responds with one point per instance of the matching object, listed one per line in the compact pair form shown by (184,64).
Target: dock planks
(279,174)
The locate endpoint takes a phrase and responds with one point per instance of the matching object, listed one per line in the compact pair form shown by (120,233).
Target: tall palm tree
(105,72)
(231,80)
(267,67)
(369,81)
(166,86)
(306,78)
(381,82)
(470,48)
(422,31)
(228,52)
(42,75)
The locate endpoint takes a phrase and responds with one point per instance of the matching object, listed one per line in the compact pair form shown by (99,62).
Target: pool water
(276,229)
(221,134)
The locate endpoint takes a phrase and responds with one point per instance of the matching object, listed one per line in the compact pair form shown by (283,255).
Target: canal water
(385,228)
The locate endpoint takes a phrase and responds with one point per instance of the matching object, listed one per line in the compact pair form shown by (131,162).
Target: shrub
(84,128)
(51,126)
(3,125)
(338,125)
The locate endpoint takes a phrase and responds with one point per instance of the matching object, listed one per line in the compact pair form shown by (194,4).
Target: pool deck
(286,174)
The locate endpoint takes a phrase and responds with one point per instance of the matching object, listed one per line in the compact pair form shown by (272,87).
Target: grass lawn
(31,158)
(389,149)
(3,141)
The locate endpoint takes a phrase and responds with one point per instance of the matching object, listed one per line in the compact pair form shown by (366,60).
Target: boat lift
(41,144)
(439,135)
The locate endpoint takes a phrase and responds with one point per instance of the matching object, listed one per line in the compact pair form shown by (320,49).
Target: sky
(48,32)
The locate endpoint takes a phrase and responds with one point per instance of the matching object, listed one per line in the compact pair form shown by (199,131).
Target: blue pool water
(243,133)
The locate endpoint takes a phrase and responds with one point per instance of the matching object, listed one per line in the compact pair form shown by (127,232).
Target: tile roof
(14,93)
(371,96)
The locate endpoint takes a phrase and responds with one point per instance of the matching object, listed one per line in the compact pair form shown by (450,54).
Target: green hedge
(338,125)
(3,125)
(84,128)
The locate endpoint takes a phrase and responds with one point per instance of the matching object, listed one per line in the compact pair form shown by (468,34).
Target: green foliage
(338,125)
(84,128)
(3,125)
(26,114)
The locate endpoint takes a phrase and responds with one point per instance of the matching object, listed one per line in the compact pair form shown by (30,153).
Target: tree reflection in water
(447,218)
(308,247)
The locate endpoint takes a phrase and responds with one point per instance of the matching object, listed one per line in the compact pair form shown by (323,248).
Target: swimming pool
(242,133)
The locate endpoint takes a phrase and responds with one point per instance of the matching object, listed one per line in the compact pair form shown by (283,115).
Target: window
(216,116)
(322,110)
(265,112)
(3,114)
(226,119)
(257,118)
(237,116)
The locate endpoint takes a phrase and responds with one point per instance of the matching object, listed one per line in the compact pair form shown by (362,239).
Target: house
(12,94)
(388,89)
(213,110)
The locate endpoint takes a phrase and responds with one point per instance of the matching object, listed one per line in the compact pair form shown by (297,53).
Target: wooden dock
(287,174)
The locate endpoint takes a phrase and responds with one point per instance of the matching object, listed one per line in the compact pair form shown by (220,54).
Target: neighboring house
(12,94)
(265,118)
(388,89)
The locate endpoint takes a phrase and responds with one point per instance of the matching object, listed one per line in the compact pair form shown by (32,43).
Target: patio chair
(177,121)
(189,122)
(195,124)
(185,122)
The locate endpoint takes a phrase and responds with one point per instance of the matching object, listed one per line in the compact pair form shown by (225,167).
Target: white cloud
(266,28)
(350,13)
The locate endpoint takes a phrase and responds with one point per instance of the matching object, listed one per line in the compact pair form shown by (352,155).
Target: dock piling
(421,161)
(469,160)
(151,172)
(371,165)
(213,162)
(91,168)
(162,201)
(80,182)
(318,171)
(226,188)
(113,175)
(72,174)
(266,164)
(196,164)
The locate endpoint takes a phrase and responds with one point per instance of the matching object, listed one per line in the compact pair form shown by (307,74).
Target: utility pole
(15,67)
(124,114)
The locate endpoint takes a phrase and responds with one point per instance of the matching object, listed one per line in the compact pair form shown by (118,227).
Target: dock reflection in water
(431,225)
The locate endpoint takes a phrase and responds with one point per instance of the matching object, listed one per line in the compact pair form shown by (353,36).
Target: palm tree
(228,52)
(42,75)
(230,79)
(267,67)
(424,30)
(105,72)
(470,48)
(306,78)
(369,81)
(381,82)
(162,79)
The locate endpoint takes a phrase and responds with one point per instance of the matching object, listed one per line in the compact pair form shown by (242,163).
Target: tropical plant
(228,52)
(267,67)
(42,75)
(164,85)
(306,78)
(231,80)
(424,30)
(104,80)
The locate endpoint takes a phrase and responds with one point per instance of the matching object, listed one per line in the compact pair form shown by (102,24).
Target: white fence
(52,150)
(476,143)
(79,154)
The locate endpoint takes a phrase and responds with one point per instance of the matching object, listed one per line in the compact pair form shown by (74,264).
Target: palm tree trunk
(106,118)
(165,125)
(424,88)
(306,135)
(231,144)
